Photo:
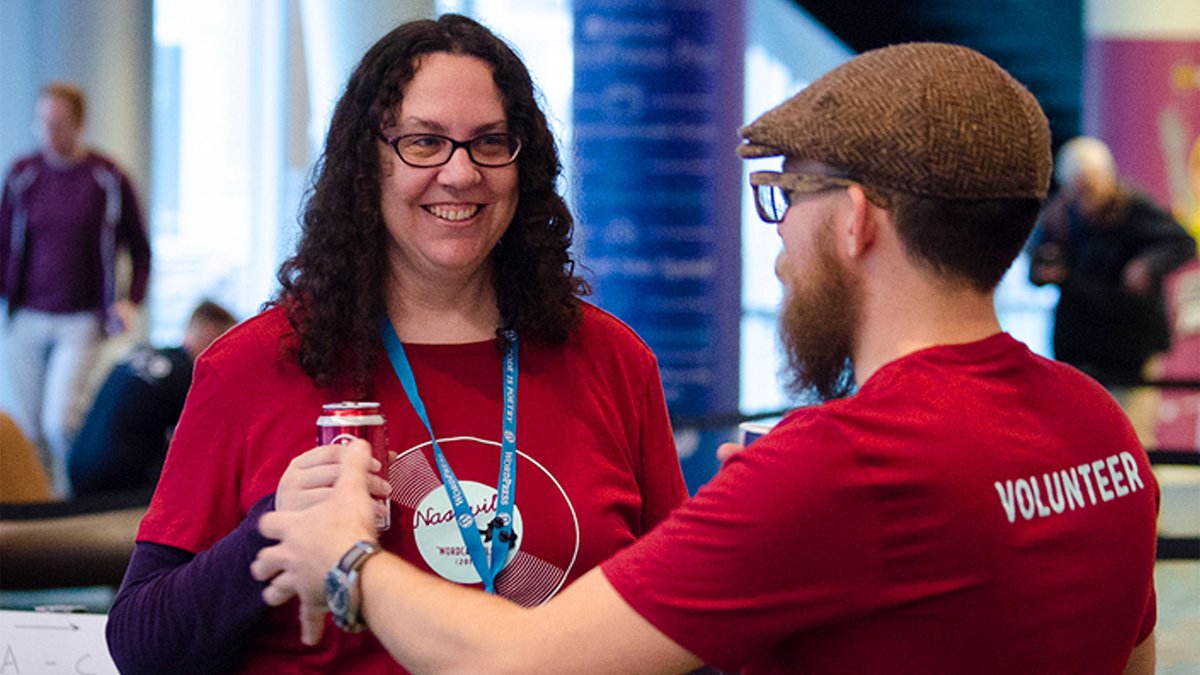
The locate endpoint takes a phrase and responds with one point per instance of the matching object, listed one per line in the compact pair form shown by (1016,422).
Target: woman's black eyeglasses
(429,150)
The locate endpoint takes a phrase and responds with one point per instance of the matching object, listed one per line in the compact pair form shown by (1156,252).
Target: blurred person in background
(1108,249)
(433,276)
(124,437)
(66,213)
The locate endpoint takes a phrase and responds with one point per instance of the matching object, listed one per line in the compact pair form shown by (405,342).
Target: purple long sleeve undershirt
(182,612)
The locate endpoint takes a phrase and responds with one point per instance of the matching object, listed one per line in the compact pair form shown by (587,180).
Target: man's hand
(311,541)
(727,450)
(126,314)
(1048,265)
(123,317)
(1137,277)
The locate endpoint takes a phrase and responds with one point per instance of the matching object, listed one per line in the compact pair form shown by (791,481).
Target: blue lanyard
(499,531)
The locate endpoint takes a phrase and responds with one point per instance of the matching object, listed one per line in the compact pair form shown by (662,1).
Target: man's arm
(1161,243)
(132,234)
(1047,244)
(6,218)
(429,624)
(1141,661)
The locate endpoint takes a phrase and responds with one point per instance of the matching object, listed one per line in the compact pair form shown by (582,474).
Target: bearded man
(958,505)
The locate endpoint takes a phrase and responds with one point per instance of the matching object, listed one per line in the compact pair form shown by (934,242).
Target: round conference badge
(439,538)
(547,542)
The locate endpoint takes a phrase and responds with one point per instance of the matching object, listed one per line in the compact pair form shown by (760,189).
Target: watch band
(342,593)
(357,556)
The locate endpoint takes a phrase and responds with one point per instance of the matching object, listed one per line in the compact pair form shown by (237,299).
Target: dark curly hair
(332,288)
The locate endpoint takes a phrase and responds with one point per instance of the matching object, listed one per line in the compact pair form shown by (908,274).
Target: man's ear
(860,226)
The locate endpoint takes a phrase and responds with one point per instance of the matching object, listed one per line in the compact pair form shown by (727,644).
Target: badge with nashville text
(545,522)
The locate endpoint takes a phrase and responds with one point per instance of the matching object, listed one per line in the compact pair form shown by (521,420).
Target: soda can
(748,432)
(343,422)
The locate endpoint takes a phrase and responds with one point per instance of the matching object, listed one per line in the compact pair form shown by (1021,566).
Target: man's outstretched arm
(431,625)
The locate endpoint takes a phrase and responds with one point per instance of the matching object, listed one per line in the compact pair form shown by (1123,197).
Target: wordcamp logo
(437,530)
(537,566)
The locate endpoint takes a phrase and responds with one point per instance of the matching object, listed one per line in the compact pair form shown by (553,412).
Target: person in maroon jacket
(66,213)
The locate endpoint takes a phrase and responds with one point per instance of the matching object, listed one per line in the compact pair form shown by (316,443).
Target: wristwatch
(341,586)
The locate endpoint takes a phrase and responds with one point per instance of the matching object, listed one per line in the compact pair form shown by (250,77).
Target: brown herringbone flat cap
(930,119)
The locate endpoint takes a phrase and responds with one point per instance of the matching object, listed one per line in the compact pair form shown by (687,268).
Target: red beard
(819,322)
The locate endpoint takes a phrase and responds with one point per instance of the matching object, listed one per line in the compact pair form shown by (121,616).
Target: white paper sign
(33,643)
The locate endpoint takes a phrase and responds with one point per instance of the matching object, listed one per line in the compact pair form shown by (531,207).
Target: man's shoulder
(1140,204)
(26,160)
(955,377)
(1144,215)
(825,421)
(23,169)
(153,366)
(104,163)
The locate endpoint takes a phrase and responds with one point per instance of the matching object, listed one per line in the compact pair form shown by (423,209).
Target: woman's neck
(443,311)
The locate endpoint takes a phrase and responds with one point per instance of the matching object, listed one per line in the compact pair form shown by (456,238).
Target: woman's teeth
(453,213)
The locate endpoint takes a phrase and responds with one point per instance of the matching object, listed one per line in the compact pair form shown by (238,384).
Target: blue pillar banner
(657,104)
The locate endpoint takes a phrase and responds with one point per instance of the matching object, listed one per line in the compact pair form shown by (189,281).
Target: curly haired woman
(433,277)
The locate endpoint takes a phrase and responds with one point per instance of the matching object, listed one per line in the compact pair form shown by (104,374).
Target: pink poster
(1142,97)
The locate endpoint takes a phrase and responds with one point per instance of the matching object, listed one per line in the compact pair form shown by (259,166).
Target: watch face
(341,586)
(337,595)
